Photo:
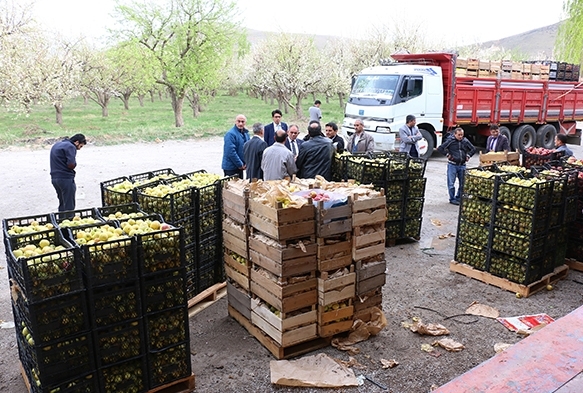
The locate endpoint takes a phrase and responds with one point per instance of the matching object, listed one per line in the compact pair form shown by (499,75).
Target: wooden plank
(359,205)
(334,228)
(287,268)
(370,284)
(241,280)
(292,230)
(523,290)
(326,284)
(286,339)
(334,264)
(367,252)
(283,253)
(338,212)
(326,317)
(367,300)
(366,218)
(371,269)
(183,385)
(362,240)
(286,290)
(276,350)
(234,205)
(236,265)
(285,304)
(24,377)
(574,264)
(335,296)
(282,322)
(239,300)
(334,328)
(206,298)
(329,251)
(235,244)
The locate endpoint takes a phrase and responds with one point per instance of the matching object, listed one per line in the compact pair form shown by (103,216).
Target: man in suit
(253,152)
(497,142)
(337,140)
(292,142)
(277,124)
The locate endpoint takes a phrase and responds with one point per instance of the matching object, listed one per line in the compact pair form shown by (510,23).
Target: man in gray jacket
(409,135)
(278,161)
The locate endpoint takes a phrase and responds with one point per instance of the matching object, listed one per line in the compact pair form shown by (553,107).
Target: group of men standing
(274,151)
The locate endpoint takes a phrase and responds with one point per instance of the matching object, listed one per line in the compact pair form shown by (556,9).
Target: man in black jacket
(315,157)
(458,151)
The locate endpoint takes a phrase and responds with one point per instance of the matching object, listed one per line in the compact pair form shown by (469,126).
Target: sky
(448,21)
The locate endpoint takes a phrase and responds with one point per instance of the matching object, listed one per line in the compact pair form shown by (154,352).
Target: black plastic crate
(86,383)
(416,187)
(112,304)
(120,342)
(174,206)
(515,269)
(209,253)
(152,176)
(53,319)
(339,168)
(572,211)
(208,198)
(208,225)
(121,212)
(535,196)
(396,190)
(416,167)
(167,328)
(559,254)
(75,218)
(476,210)
(556,215)
(161,250)
(531,159)
(522,220)
(199,279)
(475,255)
(126,376)
(169,364)
(481,182)
(189,226)
(412,228)
(117,191)
(521,246)
(47,275)
(163,291)
(414,207)
(111,261)
(25,225)
(60,360)
(395,210)
(393,229)
(476,234)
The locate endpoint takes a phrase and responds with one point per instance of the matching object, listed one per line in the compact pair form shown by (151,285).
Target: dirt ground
(225,358)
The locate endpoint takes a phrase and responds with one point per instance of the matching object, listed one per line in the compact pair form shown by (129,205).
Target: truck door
(410,100)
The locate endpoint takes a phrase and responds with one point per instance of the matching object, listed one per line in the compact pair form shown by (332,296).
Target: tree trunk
(141,99)
(327,99)
(313,97)
(298,108)
(104,111)
(126,100)
(85,99)
(177,104)
(271,99)
(59,113)
(341,99)
(285,107)
(280,103)
(160,95)
(152,95)
(194,101)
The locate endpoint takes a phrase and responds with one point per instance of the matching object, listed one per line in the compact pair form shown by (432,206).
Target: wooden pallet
(184,385)
(574,264)
(520,289)
(276,350)
(206,298)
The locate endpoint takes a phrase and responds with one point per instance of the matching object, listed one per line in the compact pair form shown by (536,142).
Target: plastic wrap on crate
(116,343)
(77,218)
(60,360)
(25,225)
(120,212)
(167,328)
(45,276)
(161,250)
(117,191)
(125,376)
(115,303)
(169,364)
(164,290)
(52,319)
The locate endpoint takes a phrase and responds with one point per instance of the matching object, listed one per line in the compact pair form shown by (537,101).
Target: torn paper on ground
(362,331)
(526,323)
(482,310)
(318,370)
(449,345)
(430,329)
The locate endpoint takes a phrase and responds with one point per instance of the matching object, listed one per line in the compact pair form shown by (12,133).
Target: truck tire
(506,132)
(430,143)
(523,137)
(545,136)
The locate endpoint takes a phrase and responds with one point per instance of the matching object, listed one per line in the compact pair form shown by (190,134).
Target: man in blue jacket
(233,157)
(63,163)
(458,151)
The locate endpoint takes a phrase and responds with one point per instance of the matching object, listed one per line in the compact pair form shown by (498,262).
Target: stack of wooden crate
(368,250)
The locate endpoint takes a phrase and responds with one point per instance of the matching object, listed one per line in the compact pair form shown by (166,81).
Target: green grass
(155,120)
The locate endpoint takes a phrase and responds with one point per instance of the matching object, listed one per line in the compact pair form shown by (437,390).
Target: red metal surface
(549,360)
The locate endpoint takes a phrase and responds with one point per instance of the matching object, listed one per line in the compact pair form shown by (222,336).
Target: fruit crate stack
(368,249)
(116,314)
(573,213)
(415,198)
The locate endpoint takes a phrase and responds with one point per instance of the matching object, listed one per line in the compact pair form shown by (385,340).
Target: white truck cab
(383,96)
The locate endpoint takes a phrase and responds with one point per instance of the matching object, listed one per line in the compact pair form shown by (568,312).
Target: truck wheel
(545,136)
(430,143)
(506,132)
(523,137)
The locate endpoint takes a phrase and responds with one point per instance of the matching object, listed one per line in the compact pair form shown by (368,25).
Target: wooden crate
(374,201)
(239,299)
(461,63)
(235,237)
(283,329)
(335,289)
(517,66)
(473,64)
(545,69)
(535,68)
(235,202)
(277,350)
(370,276)
(484,74)
(520,289)
(368,241)
(516,75)
(334,321)
(507,65)
(335,255)
(284,261)
(461,72)
(473,73)
(367,300)
(284,297)
(484,65)
(526,68)
(282,223)
(574,264)
(513,158)
(236,271)
(333,221)
(495,66)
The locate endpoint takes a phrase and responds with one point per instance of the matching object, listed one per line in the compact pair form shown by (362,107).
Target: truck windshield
(379,88)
